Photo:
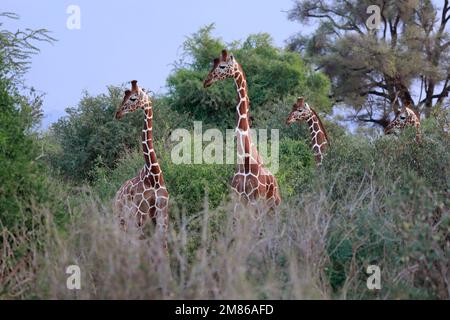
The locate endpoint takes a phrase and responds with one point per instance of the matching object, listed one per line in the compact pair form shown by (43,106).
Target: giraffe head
(223,67)
(300,112)
(133,99)
(403,118)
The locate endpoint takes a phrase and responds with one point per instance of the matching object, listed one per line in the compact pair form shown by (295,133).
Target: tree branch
(381,121)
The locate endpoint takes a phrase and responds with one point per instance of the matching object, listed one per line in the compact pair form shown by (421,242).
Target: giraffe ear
(300,101)
(127,92)
(216,62)
(224,55)
(231,57)
(134,85)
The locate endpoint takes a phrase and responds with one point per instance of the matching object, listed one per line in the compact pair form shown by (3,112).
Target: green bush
(90,134)
(188,184)
(272,74)
(22,177)
(389,209)
(297,166)
(90,131)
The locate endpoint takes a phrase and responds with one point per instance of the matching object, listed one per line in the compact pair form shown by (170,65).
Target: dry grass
(242,259)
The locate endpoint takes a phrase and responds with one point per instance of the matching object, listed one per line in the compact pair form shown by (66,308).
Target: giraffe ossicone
(253,183)
(302,112)
(145,196)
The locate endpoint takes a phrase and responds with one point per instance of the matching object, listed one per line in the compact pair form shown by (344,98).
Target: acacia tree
(406,55)
(16,49)
(22,179)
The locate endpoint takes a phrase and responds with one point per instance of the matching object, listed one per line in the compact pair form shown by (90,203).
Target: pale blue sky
(134,39)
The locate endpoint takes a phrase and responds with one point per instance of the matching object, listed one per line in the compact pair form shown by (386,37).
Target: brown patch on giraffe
(316,126)
(144,206)
(150,193)
(320,137)
(242,109)
(149,181)
(254,169)
(243,124)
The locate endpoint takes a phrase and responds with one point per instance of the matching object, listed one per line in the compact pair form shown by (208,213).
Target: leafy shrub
(90,134)
(187,183)
(297,166)
(389,210)
(272,75)
(90,131)
(22,177)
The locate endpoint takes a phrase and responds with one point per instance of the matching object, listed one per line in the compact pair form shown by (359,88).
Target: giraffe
(144,196)
(301,111)
(252,182)
(404,118)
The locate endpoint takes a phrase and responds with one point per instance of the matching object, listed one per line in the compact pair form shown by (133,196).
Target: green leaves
(91,131)
(272,74)
(16,48)
(21,176)
(297,166)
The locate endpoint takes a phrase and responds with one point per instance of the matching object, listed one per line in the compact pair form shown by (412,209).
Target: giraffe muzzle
(392,131)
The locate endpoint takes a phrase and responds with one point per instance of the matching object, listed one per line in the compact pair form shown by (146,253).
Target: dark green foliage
(189,184)
(22,176)
(17,172)
(297,166)
(273,75)
(390,209)
(91,133)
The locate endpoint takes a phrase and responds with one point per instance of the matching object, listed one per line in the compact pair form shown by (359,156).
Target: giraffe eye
(222,66)
(402,117)
(133,99)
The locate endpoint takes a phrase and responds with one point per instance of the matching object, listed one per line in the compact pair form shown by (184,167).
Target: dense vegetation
(370,64)
(375,200)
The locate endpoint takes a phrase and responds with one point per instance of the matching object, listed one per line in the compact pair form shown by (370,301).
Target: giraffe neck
(151,163)
(415,121)
(318,136)
(245,148)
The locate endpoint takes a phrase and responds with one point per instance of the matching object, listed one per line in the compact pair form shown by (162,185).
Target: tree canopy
(407,55)
(273,75)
